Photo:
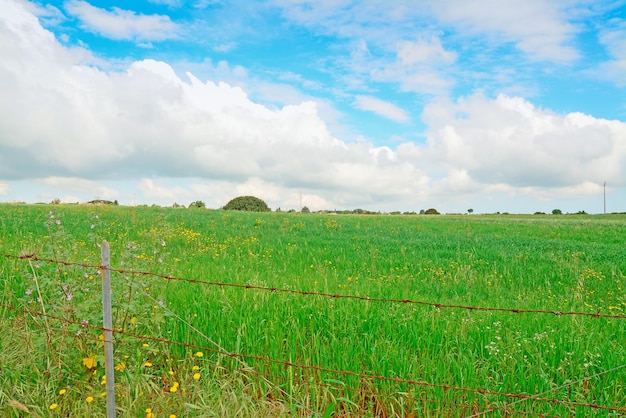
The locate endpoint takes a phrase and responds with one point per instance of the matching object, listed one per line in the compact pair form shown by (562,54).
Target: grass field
(52,365)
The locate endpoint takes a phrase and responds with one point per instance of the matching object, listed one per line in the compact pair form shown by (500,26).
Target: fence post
(107,323)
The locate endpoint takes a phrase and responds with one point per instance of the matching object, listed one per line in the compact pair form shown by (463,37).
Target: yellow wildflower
(89,399)
(90,362)
(196,376)
(62,392)
(54,406)
(199,354)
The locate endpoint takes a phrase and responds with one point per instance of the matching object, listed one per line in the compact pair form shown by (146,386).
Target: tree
(305,210)
(197,204)
(247,203)
(431,211)
(557,212)
(470,211)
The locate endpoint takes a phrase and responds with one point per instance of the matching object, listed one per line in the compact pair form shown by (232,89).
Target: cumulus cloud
(180,137)
(148,119)
(381,107)
(122,24)
(509,141)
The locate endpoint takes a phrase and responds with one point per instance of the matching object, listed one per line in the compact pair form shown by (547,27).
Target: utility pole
(605,197)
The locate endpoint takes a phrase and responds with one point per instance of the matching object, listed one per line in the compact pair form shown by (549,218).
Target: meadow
(237,316)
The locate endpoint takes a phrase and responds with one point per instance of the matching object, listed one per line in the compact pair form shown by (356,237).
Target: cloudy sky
(494,105)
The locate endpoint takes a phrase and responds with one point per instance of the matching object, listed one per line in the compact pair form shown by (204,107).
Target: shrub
(247,203)
(431,211)
(197,204)
(557,212)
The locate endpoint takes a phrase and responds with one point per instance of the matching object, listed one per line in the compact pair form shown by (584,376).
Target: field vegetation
(202,336)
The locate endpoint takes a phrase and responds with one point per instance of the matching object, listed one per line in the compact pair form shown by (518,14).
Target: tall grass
(556,263)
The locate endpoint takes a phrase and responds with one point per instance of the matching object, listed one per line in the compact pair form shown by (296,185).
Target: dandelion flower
(89,399)
(54,406)
(194,368)
(62,392)
(196,376)
(148,364)
(199,354)
(90,362)
(172,416)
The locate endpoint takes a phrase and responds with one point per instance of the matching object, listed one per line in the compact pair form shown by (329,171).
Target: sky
(489,105)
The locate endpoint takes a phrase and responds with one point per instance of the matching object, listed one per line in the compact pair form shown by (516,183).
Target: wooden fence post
(107,323)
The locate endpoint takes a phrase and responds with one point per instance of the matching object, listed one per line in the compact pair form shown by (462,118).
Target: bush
(305,210)
(431,211)
(197,204)
(247,203)
(557,212)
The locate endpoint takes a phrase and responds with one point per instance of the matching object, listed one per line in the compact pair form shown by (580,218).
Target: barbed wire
(367,376)
(33,257)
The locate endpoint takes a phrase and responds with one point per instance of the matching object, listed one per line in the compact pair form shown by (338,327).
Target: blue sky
(404,105)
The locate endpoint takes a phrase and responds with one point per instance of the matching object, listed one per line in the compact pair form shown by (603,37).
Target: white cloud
(183,138)
(122,24)
(381,107)
(613,37)
(58,186)
(170,3)
(418,67)
(4,188)
(540,28)
(509,141)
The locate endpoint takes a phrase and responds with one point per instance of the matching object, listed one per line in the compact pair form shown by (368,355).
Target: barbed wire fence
(507,408)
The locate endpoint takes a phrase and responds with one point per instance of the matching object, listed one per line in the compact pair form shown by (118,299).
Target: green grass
(556,263)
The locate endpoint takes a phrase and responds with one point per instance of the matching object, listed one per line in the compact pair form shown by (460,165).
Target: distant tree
(197,204)
(102,202)
(431,211)
(176,205)
(247,203)
(539,213)
(422,211)
(470,211)
(305,210)
(557,212)
(55,201)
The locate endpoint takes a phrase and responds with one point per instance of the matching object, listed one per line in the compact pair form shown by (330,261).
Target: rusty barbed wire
(522,396)
(33,257)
